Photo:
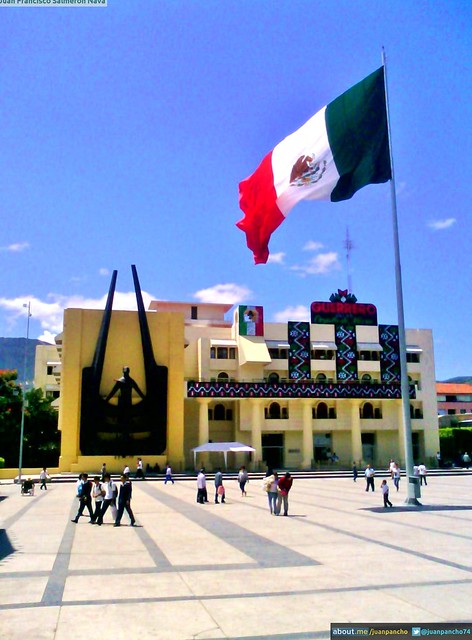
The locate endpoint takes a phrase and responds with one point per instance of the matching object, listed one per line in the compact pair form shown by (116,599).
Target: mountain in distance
(460,380)
(12,356)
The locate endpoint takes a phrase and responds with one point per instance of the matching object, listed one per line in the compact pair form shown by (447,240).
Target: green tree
(41,438)
(10,417)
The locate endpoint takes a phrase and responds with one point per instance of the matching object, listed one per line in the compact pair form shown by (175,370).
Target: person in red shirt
(283,488)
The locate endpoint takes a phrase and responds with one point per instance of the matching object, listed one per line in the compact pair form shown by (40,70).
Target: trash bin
(414,480)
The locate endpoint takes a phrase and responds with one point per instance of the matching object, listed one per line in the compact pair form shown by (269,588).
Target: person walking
(283,487)
(369,476)
(44,477)
(270,485)
(422,472)
(396,476)
(139,470)
(219,488)
(243,478)
(384,488)
(109,499)
(85,498)
(354,472)
(466,460)
(124,502)
(201,486)
(169,477)
(97,494)
(103,471)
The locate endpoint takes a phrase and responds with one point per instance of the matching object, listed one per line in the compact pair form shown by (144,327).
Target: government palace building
(302,394)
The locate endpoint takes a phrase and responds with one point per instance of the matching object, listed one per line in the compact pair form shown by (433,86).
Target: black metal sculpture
(124,428)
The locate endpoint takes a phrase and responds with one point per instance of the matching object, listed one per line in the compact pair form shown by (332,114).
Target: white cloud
(47,336)
(311,245)
(17,247)
(276,258)
(299,313)
(49,313)
(321,264)
(439,225)
(104,271)
(230,293)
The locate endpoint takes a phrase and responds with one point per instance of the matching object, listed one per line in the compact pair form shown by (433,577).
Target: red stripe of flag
(257,199)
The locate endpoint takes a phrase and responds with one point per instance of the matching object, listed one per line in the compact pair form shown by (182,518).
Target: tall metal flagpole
(23,404)
(413,486)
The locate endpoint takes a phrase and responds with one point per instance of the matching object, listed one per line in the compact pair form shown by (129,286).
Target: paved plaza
(232,570)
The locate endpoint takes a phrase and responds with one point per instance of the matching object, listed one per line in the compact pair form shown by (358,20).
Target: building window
(223,377)
(366,378)
(276,412)
(194,313)
(368,355)
(278,354)
(413,357)
(273,378)
(50,370)
(367,411)
(223,353)
(322,411)
(321,377)
(322,354)
(416,412)
(220,412)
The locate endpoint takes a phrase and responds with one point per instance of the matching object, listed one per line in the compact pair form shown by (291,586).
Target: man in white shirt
(369,476)
(109,499)
(422,473)
(201,487)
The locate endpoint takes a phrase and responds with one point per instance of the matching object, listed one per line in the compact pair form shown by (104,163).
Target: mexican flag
(341,149)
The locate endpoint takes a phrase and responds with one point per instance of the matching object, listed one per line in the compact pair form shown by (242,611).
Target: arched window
(367,411)
(219,412)
(274,411)
(322,410)
(273,378)
(321,377)
(366,378)
(223,377)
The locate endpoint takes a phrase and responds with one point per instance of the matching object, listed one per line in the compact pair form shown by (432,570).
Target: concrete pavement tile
(156,621)
(255,581)
(21,624)
(309,613)
(21,590)
(442,604)
(117,587)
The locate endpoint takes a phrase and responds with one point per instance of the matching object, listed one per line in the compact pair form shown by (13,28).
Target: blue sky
(124,132)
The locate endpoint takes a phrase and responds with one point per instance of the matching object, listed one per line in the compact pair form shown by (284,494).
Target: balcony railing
(295,389)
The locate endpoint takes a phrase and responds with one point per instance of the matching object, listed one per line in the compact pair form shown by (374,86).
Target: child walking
(384,487)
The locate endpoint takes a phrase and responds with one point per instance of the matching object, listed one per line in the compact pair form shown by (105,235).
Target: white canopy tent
(236,447)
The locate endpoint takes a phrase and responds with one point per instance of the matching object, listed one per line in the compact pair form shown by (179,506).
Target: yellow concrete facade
(79,338)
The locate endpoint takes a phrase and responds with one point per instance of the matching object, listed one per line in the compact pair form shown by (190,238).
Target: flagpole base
(413,502)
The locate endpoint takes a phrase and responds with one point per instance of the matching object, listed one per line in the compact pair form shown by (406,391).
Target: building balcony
(295,389)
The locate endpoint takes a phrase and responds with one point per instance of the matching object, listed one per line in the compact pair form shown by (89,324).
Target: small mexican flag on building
(341,149)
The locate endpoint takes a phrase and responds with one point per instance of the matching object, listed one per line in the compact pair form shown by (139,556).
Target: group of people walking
(104,493)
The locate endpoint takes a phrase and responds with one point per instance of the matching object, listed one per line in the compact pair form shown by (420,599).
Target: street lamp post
(23,403)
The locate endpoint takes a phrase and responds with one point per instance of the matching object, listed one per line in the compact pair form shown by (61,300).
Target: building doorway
(368,447)
(273,449)
(322,447)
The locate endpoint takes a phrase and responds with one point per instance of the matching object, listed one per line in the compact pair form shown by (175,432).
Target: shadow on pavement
(416,508)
